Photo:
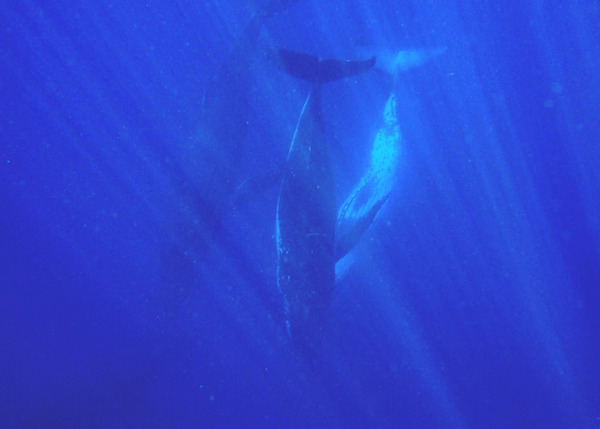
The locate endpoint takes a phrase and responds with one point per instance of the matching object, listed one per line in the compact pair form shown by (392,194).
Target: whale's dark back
(306,209)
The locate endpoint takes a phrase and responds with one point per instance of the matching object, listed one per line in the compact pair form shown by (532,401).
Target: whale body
(306,208)
(360,209)
(364,202)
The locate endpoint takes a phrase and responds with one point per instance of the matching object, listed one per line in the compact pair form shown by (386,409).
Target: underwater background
(142,145)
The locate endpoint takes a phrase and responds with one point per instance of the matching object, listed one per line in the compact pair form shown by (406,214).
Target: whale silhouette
(358,212)
(208,160)
(306,207)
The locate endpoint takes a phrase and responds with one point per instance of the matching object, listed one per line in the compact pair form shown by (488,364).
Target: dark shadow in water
(210,181)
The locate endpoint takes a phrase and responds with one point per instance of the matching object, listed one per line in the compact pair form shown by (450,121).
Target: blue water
(137,249)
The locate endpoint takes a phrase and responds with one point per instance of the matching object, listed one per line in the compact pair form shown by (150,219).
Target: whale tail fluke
(393,62)
(316,70)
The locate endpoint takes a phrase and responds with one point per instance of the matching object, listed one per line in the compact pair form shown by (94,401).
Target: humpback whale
(306,208)
(362,205)
(359,210)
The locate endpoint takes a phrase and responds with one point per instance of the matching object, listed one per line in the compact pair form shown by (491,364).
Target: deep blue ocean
(142,148)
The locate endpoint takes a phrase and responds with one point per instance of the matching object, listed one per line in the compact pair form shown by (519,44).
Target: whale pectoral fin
(352,225)
(343,266)
(348,236)
(372,213)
